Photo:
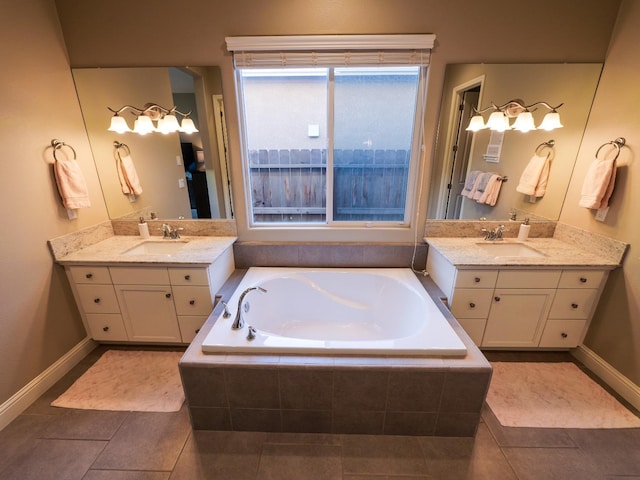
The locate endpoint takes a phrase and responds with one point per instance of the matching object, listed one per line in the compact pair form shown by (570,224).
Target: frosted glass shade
(143,125)
(551,121)
(168,124)
(188,126)
(118,125)
(524,122)
(476,123)
(499,122)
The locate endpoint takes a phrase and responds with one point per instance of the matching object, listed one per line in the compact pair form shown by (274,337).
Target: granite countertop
(466,251)
(198,250)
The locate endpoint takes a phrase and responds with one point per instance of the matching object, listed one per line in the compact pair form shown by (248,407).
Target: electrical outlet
(601,214)
(181,183)
(178,160)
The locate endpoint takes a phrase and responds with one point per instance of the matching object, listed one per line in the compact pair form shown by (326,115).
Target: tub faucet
(239,321)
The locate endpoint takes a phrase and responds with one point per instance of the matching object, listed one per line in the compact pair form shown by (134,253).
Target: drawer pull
(497,299)
(192,302)
(583,280)
(89,275)
(574,305)
(472,305)
(564,335)
(476,279)
(168,295)
(96,300)
(187,277)
(105,329)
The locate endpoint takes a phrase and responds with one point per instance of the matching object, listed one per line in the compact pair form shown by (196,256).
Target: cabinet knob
(96,300)
(476,279)
(89,275)
(472,305)
(583,280)
(187,277)
(192,302)
(497,299)
(564,335)
(574,305)
(105,329)
(168,295)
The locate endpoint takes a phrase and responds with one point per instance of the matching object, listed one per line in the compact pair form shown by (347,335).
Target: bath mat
(128,380)
(553,395)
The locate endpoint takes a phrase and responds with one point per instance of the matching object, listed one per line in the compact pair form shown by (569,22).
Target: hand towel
(127,175)
(598,184)
(535,177)
(71,184)
(490,195)
(469,182)
(482,184)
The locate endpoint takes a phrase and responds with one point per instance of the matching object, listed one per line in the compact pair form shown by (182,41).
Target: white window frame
(304,51)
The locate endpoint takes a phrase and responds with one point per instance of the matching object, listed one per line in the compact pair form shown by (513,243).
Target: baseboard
(28,394)
(612,377)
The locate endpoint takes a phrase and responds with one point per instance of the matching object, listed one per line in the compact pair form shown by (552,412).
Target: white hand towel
(469,182)
(71,184)
(535,177)
(598,184)
(127,175)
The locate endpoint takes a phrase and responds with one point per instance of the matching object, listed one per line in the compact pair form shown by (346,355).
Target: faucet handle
(226,313)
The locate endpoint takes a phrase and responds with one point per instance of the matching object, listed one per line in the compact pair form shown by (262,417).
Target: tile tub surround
(335,394)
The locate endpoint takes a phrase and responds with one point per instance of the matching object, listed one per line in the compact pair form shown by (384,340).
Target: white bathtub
(377,311)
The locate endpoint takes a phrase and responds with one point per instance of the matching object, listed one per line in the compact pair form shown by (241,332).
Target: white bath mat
(127,380)
(553,395)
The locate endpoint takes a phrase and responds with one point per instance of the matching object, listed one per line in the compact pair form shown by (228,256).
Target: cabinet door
(148,313)
(517,317)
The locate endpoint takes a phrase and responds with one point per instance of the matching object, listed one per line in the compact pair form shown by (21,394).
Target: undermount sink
(157,247)
(499,249)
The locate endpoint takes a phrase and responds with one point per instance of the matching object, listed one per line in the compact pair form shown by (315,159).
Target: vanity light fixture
(499,118)
(165,118)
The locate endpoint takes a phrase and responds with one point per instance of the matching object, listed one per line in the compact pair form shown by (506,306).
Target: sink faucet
(495,234)
(170,232)
(239,321)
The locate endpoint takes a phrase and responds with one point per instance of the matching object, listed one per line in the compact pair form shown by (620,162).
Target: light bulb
(118,124)
(188,126)
(498,121)
(551,121)
(524,122)
(168,124)
(143,125)
(476,123)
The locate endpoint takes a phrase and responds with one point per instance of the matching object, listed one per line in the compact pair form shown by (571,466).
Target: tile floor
(52,443)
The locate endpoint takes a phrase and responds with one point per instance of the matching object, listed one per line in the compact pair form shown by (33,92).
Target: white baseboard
(612,377)
(28,394)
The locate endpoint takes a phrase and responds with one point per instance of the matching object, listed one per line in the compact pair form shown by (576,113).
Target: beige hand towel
(598,184)
(127,175)
(535,177)
(71,184)
(490,195)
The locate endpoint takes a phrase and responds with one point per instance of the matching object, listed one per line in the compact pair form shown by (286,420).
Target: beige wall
(615,331)
(39,322)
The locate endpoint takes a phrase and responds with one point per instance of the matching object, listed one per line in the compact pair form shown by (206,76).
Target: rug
(553,395)
(127,380)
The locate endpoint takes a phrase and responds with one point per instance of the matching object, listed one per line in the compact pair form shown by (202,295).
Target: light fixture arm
(149,110)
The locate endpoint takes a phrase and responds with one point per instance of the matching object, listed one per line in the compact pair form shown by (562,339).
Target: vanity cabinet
(147,304)
(519,308)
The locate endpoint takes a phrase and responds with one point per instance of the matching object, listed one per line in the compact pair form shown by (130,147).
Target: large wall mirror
(181,175)
(459,152)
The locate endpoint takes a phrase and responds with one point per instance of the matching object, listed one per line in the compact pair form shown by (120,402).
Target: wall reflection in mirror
(461,154)
(180,175)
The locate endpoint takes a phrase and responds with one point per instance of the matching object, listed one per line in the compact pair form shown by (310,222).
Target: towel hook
(548,144)
(618,143)
(118,145)
(58,144)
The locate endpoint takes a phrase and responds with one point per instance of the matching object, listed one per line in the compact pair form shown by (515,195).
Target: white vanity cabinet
(519,308)
(147,303)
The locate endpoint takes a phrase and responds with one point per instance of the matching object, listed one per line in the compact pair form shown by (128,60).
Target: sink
(498,249)
(157,247)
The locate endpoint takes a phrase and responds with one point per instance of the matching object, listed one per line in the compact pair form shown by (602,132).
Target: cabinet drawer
(139,276)
(192,300)
(573,303)
(581,278)
(471,302)
(107,327)
(476,278)
(474,328)
(98,298)
(188,276)
(190,326)
(82,274)
(528,279)
(562,333)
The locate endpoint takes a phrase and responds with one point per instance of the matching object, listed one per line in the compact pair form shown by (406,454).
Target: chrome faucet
(170,232)
(239,321)
(495,234)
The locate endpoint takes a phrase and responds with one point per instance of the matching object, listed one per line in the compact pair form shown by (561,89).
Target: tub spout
(239,321)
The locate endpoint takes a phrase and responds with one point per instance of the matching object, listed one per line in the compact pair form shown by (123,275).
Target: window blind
(330,50)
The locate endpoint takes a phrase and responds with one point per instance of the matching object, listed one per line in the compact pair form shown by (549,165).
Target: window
(331,138)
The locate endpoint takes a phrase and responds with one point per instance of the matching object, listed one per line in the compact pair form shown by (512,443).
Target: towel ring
(548,144)
(57,145)
(119,145)
(618,143)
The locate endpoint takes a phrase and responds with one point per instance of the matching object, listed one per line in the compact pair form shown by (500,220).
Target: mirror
(459,152)
(181,175)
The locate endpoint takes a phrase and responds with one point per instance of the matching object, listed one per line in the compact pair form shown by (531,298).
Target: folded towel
(469,182)
(71,184)
(127,175)
(598,184)
(535,177)
(490,195)
(483,180)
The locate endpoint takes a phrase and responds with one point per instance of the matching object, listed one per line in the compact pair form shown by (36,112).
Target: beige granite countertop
(467,252)
(198,250)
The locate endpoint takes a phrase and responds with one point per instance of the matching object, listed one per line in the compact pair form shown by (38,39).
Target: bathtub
(376,311)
